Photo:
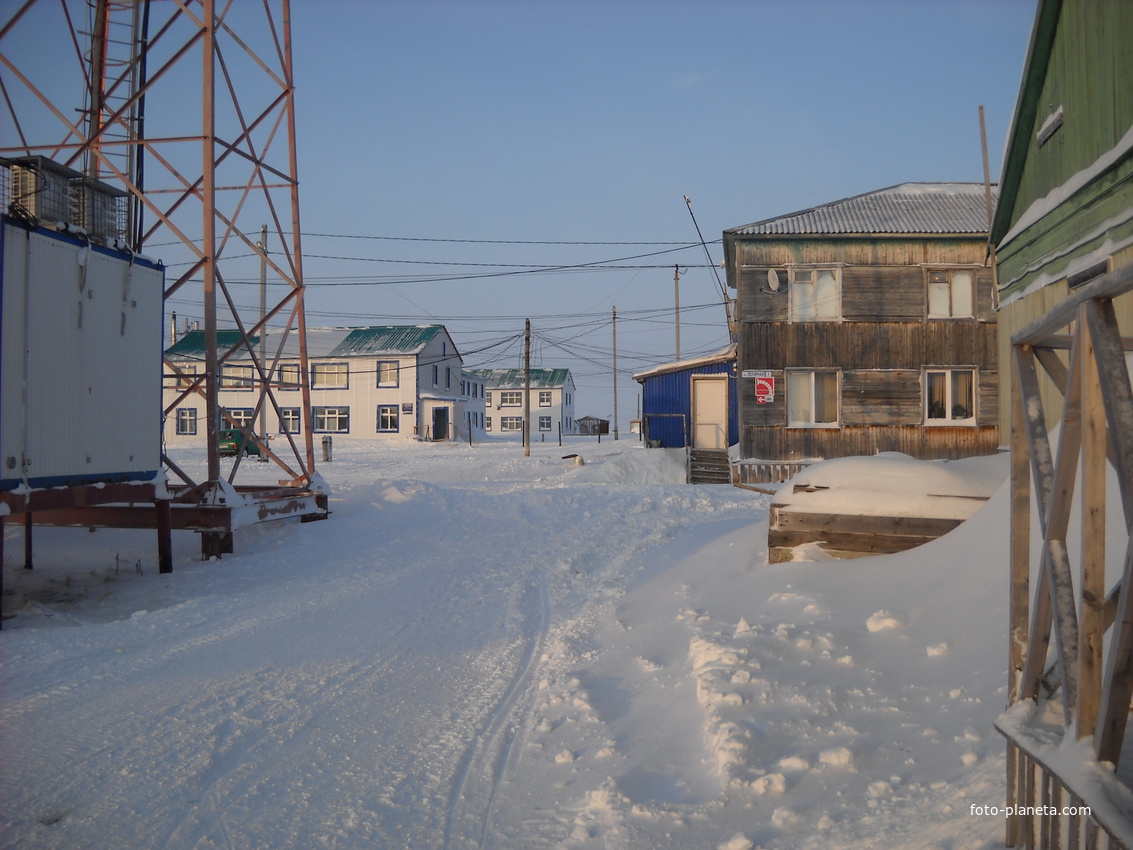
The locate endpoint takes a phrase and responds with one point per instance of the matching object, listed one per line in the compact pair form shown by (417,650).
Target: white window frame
(290,413)
(947,296)
(544,423)
(322,416)
(792,380)
(810,300)
(242,417)
(186,421)
(384,368)
(330,376)
(234,377)
(289,377)
(393,412)
(511,398)
(511,423)
(545,398)
(949,373)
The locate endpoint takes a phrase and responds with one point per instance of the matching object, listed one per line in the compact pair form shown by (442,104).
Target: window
(448,377)
(814,294)
(812,399)
(488,399)
(387,417)
(389,375)
(487,423)
(326,376)
(186,421)
(289,376)
(331,420)
(289,420)
(950,396)
(544,423)
(236,377)
(950,293)
(511,398)
(511,423)
(242,417)
(436,375)
(186,369)
(544,398)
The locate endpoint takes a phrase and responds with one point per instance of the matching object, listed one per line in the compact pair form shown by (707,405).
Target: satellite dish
(773,280)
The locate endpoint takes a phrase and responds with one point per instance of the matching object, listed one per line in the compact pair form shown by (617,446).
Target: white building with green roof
(368,382)
(552,401)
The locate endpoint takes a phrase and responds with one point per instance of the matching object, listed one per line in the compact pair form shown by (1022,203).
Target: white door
(710,412)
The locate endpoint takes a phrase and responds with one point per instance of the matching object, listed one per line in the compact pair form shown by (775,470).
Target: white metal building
(552,401)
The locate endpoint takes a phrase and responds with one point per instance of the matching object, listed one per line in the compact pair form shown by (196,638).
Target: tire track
(485,763)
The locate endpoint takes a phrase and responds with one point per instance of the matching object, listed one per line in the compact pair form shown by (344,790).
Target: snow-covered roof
(722,356)
(909,208)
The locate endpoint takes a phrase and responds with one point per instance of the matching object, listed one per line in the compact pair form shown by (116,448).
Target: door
(440,423)
(710,412)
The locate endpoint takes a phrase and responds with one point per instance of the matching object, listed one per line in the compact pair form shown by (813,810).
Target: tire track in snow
(485,763)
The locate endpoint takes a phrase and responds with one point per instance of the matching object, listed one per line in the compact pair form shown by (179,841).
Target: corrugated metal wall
(667,404)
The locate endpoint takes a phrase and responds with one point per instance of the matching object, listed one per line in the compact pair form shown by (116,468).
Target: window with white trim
(814,294)
(330,376)
(389,373)
(331,420)
(186,421)
(511,398)
(544,398)
(236,377)
(290,420)
(289,376)
(511,423)
(951,293)
(242,417)
(812,399)
(950,396)
(544,423)
(388,418)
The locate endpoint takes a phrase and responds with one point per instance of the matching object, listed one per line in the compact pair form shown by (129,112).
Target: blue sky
(589,122)
(449,148)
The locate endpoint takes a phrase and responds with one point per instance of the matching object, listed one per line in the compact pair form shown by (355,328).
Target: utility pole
(263,246)
(527,388)
(677,306)
(615,326)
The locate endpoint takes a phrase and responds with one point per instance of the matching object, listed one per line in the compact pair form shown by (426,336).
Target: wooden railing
(1085,675)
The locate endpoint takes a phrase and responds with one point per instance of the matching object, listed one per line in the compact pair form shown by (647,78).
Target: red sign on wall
(765,389)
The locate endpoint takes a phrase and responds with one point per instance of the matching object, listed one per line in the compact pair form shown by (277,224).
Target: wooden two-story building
(867,325)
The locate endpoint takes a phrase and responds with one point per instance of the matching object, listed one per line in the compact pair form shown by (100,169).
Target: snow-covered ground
(482,650)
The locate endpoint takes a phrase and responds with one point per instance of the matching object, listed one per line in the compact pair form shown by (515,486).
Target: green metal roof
(192,345)
(321,342)
(386,339)
(541,379)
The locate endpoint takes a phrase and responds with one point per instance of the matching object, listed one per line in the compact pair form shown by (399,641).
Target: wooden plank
(1117,282)
(1042,475)
(1054,367)
(1055,561)
(1118,678)
(874,544)
(1092,567)
(788,519)
(1020,544)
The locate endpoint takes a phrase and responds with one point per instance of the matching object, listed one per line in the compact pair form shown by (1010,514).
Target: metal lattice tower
(188,107)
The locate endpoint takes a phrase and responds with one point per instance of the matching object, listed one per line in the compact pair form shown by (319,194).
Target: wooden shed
(868,325)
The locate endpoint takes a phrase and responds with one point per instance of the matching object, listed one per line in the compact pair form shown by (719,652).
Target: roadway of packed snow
(482,650)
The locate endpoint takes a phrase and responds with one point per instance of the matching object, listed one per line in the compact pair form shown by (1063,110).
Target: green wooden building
(1065,210)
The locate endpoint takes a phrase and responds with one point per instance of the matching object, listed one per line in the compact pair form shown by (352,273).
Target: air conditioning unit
(53,193)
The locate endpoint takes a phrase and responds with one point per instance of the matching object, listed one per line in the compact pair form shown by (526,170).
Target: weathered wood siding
(880,346)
